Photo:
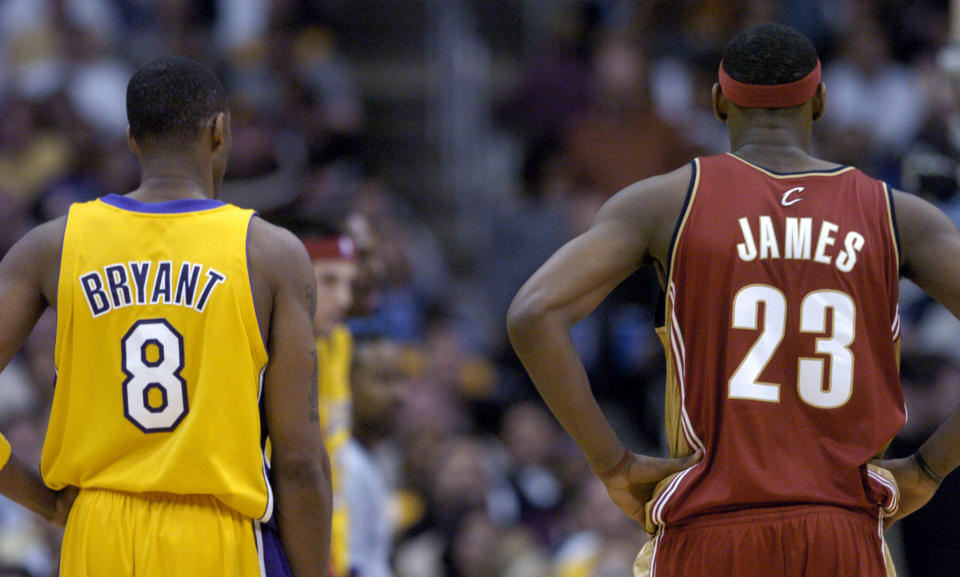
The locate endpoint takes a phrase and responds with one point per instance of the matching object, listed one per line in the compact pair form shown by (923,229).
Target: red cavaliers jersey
(782,340)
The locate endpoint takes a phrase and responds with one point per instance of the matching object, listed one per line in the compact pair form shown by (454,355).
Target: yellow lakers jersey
(334,353)
(159,355)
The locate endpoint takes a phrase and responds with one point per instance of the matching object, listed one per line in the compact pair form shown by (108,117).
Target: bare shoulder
(925,232)
(665,190)
(45,240)
(918,219)
(275,250)
(648,210)
(268,242)
(910,207)
(35,258)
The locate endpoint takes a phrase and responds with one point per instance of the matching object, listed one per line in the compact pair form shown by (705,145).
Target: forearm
(942,450)
(543,344)
(23,485)
(304,511)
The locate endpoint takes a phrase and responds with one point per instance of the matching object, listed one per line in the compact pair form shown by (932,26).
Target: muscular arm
(28,284)
(930,245)
(28,281)
(632,228)
(300,469)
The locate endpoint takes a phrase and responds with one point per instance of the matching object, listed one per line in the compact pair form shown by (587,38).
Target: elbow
(308,469)
(525,314)
(517,317)
(302,483)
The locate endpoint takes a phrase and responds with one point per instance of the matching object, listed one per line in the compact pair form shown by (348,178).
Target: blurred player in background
(181,320)
(333,254)
(780,323)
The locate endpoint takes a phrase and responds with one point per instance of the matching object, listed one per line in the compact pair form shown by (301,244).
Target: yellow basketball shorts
(158,535)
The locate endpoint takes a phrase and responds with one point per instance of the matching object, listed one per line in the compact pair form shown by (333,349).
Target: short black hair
(328,221)
(171,99)
(769,54)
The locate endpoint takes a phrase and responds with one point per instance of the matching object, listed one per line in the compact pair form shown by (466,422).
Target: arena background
(476,136)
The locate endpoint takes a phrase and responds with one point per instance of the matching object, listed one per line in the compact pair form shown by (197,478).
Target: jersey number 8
(154,393)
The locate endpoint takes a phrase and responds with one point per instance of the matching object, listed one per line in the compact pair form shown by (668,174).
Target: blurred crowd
(597,94)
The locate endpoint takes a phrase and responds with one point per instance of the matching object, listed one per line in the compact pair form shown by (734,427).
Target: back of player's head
(171,100)
(769,54)
(325,235)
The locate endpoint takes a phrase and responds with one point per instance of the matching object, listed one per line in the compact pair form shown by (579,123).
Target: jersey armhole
(65,270)
(253,295)
(660,315)
(894,230)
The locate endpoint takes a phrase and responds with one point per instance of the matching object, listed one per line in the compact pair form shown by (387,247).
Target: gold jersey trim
(787,175)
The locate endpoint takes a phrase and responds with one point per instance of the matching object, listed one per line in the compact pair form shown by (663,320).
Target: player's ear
(719,103)
(819,101)
(131,142)
(217,129)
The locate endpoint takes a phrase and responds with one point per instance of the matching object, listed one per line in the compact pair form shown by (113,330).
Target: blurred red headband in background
(331,248)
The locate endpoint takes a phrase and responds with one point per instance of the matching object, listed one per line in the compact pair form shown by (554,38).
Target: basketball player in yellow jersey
(334,258)
(181,320)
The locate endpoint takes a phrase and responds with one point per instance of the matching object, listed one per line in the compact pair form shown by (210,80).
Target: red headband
(330,248)
(770,96)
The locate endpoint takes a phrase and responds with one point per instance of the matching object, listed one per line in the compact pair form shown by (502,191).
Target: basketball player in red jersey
(781,329)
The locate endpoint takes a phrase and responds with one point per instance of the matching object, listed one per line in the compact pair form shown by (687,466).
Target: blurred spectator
(31,156)
(603,542)
(931,164)
(454,481)
(377,382)
(555,84)
(29,45)
(621,139)
(403,268)
(371,272)
(527,229)
(161,27)
(531,438)
(864,85)
(87,169)
(480,547)
(264,157)
(97,81)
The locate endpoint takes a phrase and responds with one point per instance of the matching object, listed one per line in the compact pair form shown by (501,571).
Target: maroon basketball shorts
(796,541)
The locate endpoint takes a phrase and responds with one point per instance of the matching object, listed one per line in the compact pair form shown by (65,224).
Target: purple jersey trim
(275,562)
(168,207)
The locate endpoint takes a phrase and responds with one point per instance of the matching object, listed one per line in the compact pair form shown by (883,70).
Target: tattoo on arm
(313,393)
(312,297)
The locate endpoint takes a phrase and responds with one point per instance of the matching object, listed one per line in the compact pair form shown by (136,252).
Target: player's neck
(774,146)
(769,132)
(168,178)
(763,153)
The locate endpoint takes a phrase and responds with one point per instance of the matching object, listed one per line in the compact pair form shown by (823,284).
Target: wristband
(4,451)
(618,468)
(930,473)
